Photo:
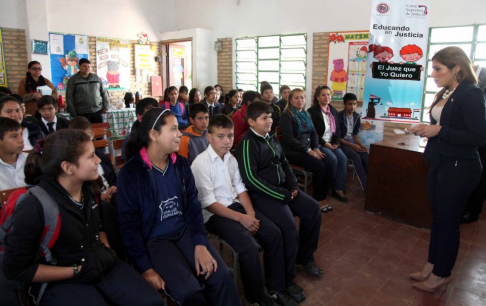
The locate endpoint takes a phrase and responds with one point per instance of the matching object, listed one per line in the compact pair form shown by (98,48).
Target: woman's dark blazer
(293,144)
(318,120)
(463,122)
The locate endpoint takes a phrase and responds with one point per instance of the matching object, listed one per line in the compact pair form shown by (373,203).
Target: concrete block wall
(15,52)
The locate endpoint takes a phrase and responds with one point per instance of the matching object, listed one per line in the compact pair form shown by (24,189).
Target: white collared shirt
(217,180)
(12,176)
(266,135)
(46,122)
(25,137)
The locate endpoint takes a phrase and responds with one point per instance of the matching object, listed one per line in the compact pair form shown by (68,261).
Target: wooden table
(397,181)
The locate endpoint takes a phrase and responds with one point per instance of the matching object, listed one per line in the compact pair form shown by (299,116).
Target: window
(278,59)
(472,39)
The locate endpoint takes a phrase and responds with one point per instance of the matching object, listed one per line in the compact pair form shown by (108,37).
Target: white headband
(155,122)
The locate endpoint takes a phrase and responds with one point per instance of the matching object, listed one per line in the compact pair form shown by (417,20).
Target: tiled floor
(367,259)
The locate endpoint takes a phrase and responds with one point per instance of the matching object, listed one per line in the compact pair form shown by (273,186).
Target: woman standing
(325,119)
(458,127)
(28,87)
(66,167)
(301,145)
(161,220)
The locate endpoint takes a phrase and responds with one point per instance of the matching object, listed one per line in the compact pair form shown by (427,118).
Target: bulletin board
(66,50)
(3,69)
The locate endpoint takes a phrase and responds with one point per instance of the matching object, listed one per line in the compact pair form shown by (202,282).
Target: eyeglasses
(36,68)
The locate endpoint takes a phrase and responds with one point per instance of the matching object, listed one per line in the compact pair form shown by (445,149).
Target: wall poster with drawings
(113,62)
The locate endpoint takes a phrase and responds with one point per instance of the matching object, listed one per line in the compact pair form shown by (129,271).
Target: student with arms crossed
(274,191)
(161,220)
(351,145)
(229,213)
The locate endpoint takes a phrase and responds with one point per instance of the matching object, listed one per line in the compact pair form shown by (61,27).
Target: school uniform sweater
(264,168)
(136,198)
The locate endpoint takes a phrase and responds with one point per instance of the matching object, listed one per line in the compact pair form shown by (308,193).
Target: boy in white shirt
(12,159)
(229,213)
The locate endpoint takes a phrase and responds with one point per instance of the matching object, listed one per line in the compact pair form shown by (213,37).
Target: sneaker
(312,268)
(296,292)
(282,298)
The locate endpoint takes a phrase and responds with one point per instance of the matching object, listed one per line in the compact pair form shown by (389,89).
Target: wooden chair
(115,152)
(4,194)
(299,171)
(101,133)
(100,125)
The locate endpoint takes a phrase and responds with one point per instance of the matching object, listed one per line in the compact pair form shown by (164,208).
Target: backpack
(167,106)
(52,225)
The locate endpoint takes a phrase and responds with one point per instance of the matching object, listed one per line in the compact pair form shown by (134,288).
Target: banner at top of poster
(113,62)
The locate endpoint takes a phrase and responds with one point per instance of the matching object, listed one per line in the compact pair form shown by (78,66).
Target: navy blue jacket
(35,132)
(136,194)
(342,123)
(463,122)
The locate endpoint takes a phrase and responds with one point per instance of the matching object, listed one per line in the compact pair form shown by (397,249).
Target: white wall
(12,14)
(240,18)
(112,18)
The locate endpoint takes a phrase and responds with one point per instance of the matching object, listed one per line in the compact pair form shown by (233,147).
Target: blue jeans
(339,162)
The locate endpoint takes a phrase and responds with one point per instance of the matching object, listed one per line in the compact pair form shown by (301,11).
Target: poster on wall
(3,70)
(66,50)
(113,62)
(144,57)
(347,63)
(396,60)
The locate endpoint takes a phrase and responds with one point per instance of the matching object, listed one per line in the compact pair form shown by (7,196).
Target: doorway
(177,63)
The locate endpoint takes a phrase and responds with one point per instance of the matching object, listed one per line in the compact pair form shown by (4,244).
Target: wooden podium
(397,181)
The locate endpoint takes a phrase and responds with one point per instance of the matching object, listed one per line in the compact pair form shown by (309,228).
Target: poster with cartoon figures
(113,62)
(347,63)
(3,70)
(66,51)
(396,60)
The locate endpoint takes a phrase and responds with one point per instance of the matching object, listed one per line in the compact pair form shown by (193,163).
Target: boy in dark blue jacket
(274,191)
(351,145)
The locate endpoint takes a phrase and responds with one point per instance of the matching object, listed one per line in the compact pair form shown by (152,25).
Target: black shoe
(340,198)
(468,218)
(282,298)
(312,268)
(296,292)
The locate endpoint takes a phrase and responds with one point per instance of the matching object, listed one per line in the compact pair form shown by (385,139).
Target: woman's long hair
(452,57)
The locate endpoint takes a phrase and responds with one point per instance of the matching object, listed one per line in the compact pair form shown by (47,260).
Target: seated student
(183,94)
(351,145)
(239,117)
(300,144)
(274,191)
(10,108)
(211,102)
(12,159)
(231,103)
(107,177)
(176,107)
(274,99)
(161,219)
(5,91)
(268,97)
(284,97)
(325,119)
(194,97)
(129,99)
(46,116)
(194,139)
(142,106)
(64,165)
(29,117)
(220,96)
(229,213)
